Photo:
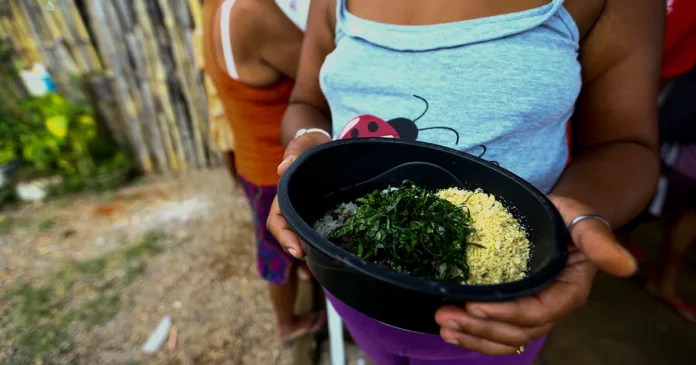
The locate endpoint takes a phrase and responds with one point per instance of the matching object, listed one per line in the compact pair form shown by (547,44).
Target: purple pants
(272,262)
(387,345)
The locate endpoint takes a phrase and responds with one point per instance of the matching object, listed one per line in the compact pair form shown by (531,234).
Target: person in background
(251,50)
(674,199)
(220,134)
(676,196)
(507,74)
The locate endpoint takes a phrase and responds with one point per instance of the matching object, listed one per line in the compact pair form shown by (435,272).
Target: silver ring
(581,218)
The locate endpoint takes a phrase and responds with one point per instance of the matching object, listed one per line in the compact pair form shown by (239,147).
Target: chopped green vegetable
(410,230)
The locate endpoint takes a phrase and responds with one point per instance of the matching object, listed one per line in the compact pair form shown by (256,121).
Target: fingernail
(478,313)
(453,325)
(452,341)
(292,252)
(288,160)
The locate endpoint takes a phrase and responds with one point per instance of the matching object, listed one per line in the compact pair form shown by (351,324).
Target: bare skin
(266,47)
(679,238)
(615,141)
(266,43)
(663,282)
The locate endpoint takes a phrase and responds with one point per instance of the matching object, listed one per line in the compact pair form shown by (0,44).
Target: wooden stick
(99,10)
(157,78)
(183,64)
(75,20)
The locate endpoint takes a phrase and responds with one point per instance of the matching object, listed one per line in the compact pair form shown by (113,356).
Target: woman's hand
(505,328)
(276,222)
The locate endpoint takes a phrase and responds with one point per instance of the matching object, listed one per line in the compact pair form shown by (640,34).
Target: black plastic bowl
(393,298)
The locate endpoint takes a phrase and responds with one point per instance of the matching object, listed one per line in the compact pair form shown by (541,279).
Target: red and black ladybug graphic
(368,125)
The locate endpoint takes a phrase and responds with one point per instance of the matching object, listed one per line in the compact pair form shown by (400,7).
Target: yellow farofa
(506,247)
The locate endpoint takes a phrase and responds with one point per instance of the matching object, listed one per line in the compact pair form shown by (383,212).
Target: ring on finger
(522,348)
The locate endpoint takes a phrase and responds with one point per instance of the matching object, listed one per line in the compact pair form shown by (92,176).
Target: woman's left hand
(505,328)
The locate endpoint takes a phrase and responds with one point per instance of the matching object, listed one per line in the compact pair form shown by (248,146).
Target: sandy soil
(204,277)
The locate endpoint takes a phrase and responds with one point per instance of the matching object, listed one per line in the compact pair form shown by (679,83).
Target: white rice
(334,219)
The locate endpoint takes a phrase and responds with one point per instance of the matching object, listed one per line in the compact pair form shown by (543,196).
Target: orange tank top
(254,113)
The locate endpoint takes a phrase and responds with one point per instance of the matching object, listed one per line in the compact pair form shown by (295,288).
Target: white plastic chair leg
(338,354)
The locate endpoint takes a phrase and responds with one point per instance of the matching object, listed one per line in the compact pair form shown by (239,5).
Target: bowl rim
(456,292)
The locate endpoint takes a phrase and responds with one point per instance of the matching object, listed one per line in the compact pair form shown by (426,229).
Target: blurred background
(118,224)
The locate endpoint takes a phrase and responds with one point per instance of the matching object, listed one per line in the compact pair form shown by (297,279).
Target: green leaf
(410,230)
(58,126)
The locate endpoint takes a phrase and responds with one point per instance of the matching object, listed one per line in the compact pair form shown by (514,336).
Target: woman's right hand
(276,222)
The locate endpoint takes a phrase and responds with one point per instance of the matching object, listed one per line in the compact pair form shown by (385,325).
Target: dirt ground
(197,267)
(87,279)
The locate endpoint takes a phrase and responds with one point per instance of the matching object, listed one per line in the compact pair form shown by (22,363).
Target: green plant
(410,230)
(60,145)
(8,152)
(10,105)
(117,162)
(10,130)
(52,134)
(62,138)
(12,127)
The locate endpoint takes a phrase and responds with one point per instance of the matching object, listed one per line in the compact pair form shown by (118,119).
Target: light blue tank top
(507,82)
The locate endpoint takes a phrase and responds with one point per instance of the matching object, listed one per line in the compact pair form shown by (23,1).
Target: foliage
(7,152)
(9,106)
(57,137)
(59,141)
(11,128)
(53,135)
(410,230)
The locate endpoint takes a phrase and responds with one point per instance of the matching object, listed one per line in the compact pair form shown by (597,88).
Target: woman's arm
(613,175)
(616,162)
(281,40)
(308,107)
(266,43)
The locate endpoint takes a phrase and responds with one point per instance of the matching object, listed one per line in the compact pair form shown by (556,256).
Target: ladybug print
(368,125)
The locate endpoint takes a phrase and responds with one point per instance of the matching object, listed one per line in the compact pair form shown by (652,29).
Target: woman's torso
(508,82)
(254,113)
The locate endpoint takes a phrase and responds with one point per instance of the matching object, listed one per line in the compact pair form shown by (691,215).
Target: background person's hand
(276,222)
(503,328)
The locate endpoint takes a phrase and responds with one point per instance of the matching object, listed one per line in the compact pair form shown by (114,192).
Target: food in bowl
(397,299)
(450,235)
(505,246)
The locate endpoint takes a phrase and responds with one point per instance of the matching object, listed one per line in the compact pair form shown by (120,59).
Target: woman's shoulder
(328,9)
(585,13)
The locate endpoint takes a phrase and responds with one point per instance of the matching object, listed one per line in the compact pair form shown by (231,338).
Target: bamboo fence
(137,61)
(13,30)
